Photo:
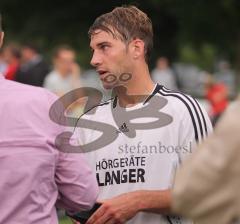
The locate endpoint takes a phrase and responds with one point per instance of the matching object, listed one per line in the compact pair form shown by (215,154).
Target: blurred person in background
(3,64)
(33,68)
(65,75)
(12,56)
(90,78)
(35,173)
(226,75)
(217,95)
(207,184)
(163,74)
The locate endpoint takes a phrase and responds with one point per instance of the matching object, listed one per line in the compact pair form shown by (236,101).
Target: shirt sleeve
(207,182)
(77,185)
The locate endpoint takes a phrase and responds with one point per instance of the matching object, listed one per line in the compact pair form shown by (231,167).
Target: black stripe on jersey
(115,102)
(203,118)
(186,101)
(101,104)
(195,109)
(155,91)
(189,109)
(169,220)
(98,105)
(198,118)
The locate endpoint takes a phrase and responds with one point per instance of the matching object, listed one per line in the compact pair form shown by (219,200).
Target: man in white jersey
(136,140)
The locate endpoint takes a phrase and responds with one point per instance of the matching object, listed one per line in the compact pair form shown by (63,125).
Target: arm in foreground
(76,183)
(124,207)
(205,184)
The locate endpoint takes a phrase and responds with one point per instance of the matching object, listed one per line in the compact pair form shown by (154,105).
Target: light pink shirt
(34,174)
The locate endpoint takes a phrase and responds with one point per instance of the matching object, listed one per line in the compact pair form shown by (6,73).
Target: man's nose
(96,59)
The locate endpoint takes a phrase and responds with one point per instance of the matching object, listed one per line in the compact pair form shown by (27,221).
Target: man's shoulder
(189,110)
(52,76)
(42,64)
(25,93)
(179,100)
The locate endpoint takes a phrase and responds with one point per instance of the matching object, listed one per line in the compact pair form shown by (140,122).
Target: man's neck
(136,90)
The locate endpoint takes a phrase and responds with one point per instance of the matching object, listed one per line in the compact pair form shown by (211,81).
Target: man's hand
(122,208)
(75,221)
(117,210)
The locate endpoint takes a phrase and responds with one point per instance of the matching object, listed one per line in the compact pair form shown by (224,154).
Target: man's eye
(104,47)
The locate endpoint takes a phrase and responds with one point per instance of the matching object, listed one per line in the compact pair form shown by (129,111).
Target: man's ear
(1,38)
(138,48)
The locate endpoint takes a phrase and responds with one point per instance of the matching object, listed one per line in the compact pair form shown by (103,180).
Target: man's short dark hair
(14,50)
(32,46)
(60,48)
(126,23)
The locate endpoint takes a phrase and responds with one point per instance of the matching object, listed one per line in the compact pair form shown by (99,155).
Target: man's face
(65,61)
(7,55)
(27,54)
(111,59)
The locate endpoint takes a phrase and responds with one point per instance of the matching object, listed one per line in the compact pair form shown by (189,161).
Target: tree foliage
(177,24)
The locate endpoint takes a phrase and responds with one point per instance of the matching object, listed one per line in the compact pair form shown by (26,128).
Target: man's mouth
(106,76)
(101,72)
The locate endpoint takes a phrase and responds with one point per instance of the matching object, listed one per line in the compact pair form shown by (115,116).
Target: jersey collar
(154,92)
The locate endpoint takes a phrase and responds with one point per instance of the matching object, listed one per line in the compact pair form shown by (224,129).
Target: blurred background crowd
(62,73)
(196,46)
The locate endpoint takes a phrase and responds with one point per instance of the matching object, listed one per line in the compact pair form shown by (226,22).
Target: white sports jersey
(140,148)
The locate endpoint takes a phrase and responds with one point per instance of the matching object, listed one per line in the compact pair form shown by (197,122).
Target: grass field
(65,220)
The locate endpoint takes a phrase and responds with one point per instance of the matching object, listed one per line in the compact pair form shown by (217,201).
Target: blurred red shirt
(217,96)
(11,71)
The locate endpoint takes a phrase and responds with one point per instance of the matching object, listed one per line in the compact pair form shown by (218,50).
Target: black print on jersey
(121,176)
(121,170)
(123,128)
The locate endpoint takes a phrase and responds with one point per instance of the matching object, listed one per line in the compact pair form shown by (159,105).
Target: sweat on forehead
(109,30)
